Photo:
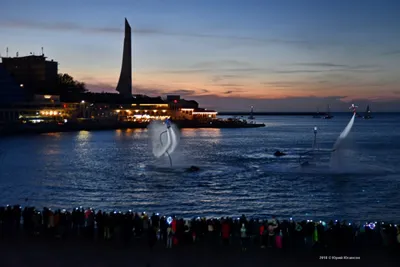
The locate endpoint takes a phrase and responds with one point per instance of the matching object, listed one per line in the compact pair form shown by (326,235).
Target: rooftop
(25,58)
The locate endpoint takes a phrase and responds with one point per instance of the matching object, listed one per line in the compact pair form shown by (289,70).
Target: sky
(277,55)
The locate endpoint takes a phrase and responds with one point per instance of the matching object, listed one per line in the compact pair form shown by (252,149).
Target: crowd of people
(170,231)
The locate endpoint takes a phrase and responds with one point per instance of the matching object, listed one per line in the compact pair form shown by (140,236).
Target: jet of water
(164,138)
(338,154)
(345,133)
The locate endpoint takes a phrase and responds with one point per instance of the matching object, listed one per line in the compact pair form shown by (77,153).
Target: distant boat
(368,115)
(328,115)
(251,117)
(318,115)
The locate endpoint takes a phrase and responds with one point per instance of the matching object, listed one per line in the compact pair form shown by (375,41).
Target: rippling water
(239,175)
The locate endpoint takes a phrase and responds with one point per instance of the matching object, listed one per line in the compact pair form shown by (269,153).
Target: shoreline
(246,113)
(21,129)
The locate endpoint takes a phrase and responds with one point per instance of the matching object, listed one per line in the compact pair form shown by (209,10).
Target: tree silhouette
(67,85)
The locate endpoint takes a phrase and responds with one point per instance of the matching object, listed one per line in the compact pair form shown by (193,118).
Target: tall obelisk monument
(124,86)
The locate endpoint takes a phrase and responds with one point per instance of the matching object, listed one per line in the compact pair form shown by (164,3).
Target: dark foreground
(87,238)
(78,252)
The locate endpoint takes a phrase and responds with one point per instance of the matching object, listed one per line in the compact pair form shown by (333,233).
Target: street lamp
(315,136)
(83,108)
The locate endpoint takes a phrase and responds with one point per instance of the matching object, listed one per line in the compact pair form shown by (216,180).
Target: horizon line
(298,112)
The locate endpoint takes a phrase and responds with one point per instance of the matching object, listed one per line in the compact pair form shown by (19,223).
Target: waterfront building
(34,74)
(24,84)
(10,92)
(109,106)
(182,109)
(197,114)
(42,109)
(176,102)
(144,109)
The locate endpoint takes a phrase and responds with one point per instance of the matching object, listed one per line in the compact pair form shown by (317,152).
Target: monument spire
(124,86)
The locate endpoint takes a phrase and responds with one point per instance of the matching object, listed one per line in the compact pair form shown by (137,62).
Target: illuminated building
(144,111)
(182,109)
(43,109)
(197,114)
(176,102)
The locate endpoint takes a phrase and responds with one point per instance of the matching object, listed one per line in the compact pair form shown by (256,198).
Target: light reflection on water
(115,169)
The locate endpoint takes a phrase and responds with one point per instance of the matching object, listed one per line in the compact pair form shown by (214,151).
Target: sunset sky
(278,55)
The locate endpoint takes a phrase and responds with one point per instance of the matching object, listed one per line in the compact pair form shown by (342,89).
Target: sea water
(238,172)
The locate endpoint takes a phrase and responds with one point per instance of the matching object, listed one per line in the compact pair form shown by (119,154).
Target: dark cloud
(218,78)
(284,84)
(146,90)
(353,69)
(242,38)
(100,87)
(219,63)
(229,85)
(69,26)
(296,71)
(233,91)
(182,92)
(332,67)
(160,91)
(137,89)
(212,70)
(183,71)
(322,64)
(364,67)
(244,70)
(391,53)
(325,83)
(374,84)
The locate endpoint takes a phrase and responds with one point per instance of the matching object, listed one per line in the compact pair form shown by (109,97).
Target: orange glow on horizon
(192,86)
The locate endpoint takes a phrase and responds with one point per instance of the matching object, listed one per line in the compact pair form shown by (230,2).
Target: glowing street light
(315,137)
